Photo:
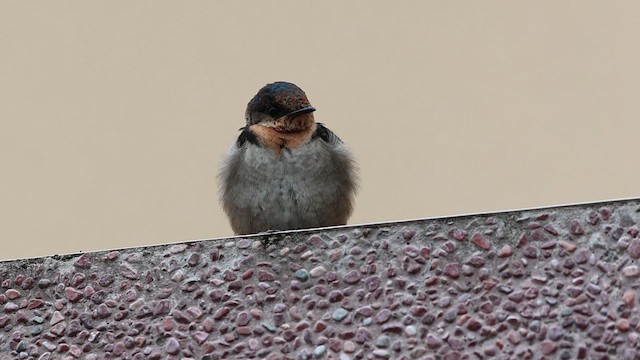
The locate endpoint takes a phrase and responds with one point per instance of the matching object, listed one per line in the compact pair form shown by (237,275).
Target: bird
(286,171)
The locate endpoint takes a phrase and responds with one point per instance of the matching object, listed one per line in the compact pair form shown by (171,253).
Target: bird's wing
(343,161)
(246,135)
(327,135)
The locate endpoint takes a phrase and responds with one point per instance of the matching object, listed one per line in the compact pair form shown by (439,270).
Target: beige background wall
(114,115)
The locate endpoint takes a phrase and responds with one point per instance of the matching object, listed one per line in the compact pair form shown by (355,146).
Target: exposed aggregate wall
(555,283)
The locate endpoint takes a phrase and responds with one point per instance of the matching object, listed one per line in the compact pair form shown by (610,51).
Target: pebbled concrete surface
(555,283)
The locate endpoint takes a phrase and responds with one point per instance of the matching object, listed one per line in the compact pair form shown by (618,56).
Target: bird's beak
(304,110)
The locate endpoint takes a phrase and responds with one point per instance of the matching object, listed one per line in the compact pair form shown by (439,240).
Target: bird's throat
(277,138)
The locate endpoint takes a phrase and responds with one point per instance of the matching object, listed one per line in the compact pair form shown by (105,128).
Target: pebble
(433,342)
(264,275)
(629,298)
(452,270)
(505,251)
(302,275)
(623,325)
(317,271)
(408,233)
(581,256)
(221,313)
(631,271)
(381,353)
(634,249)
(530,252)
(339,314)
(351,277)
(458,234)
(480,241)
(244,244)
(172,346)
(56,318)
(73,295)
(319,351)
(548,347)
(269,327)
(575,227)
(10,307)
(12,294)
(349,346)
(176,249)
(569,246)
(383,341)
(411,330)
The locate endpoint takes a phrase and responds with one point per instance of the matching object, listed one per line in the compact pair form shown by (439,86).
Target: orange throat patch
(285,133)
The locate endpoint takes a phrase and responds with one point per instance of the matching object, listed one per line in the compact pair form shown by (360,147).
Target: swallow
(286,171)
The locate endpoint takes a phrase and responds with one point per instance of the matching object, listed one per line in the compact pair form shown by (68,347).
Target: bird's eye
(273,111)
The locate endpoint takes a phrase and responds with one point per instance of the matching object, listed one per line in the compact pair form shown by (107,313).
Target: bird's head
(281,106)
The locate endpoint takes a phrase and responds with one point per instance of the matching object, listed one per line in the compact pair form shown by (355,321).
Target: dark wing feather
(246,135)
(326,135)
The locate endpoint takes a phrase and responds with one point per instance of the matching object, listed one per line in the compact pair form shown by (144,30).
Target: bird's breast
(303,162)
(297,183)
(308,185)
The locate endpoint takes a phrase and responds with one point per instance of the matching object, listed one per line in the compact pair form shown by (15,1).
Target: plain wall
(114,115)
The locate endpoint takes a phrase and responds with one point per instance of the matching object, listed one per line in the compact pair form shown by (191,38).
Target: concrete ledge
(547,283)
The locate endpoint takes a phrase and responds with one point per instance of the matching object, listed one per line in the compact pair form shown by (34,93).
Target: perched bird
(286,171)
